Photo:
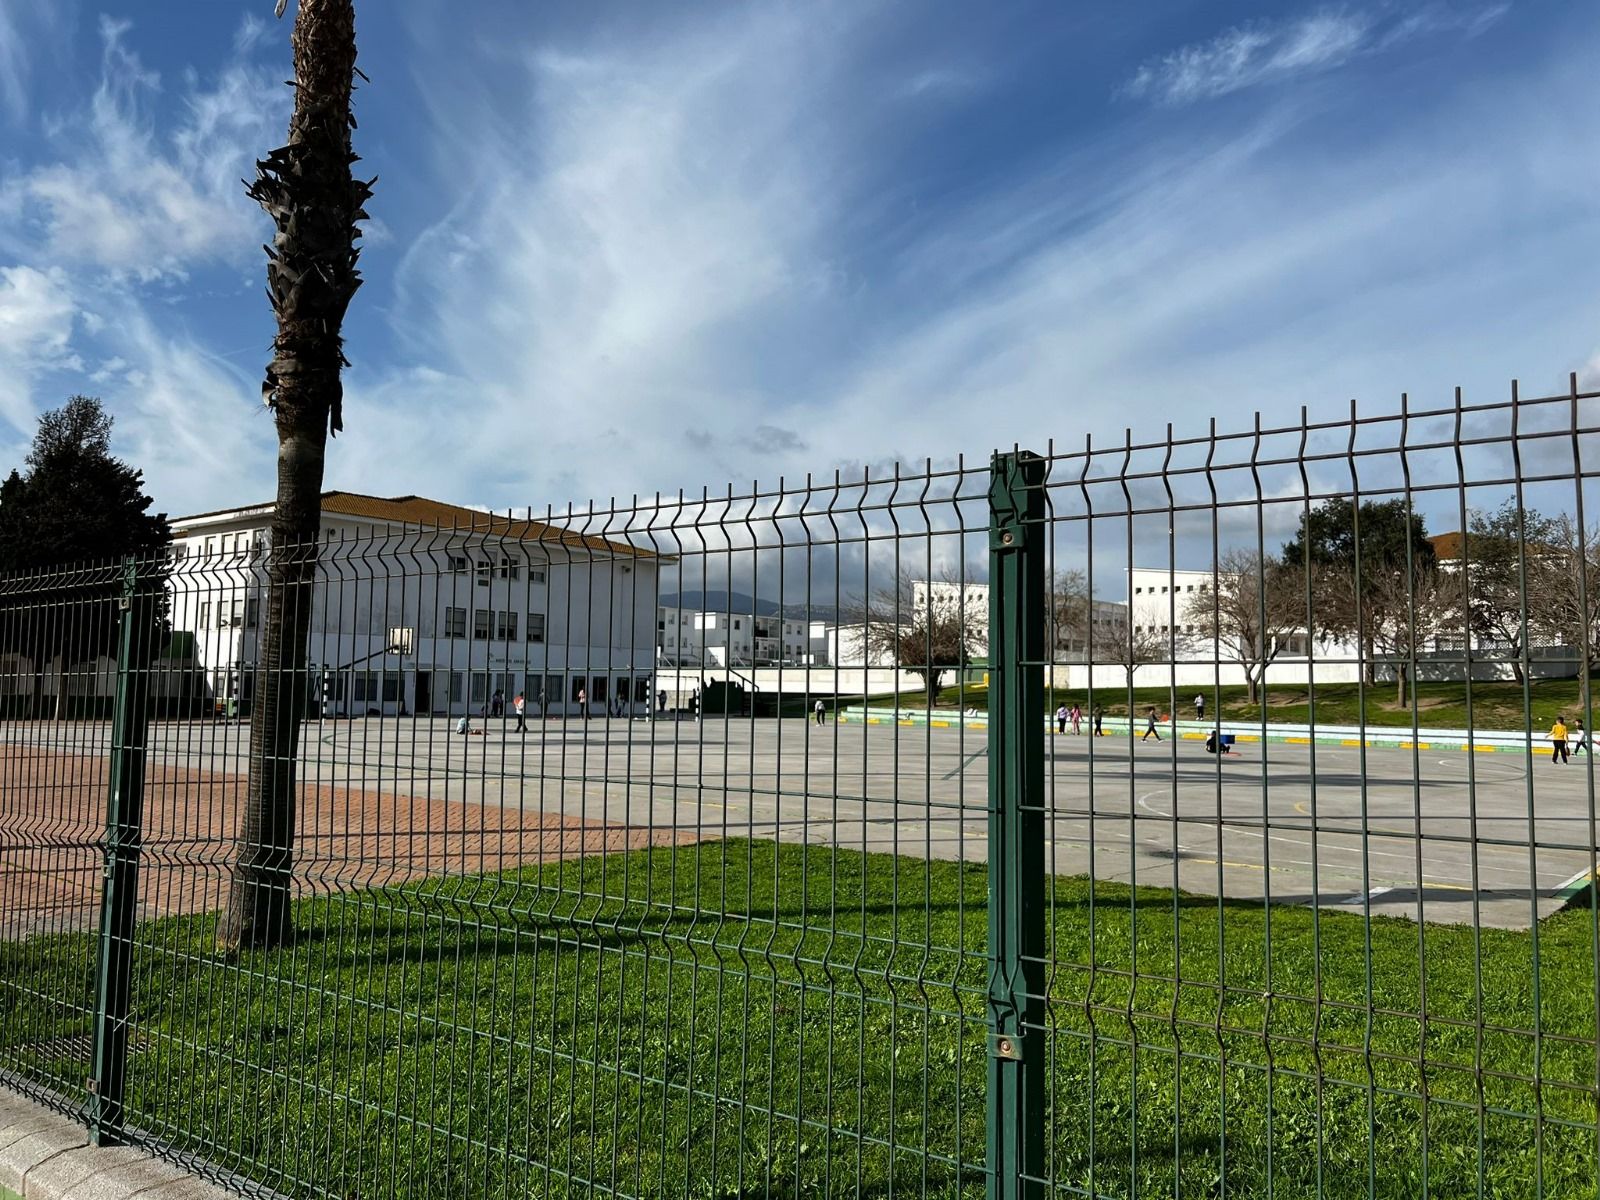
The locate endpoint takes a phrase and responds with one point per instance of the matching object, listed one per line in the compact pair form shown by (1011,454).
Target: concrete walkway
(47,1156)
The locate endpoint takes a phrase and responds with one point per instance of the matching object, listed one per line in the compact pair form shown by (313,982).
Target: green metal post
(1016,827)
(120,896)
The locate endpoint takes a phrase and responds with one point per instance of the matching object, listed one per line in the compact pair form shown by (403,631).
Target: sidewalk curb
(1118,727)
(1580,890)
(47,1156)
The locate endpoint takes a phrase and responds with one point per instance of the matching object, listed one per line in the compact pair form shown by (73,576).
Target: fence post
(120,895)
(1016,1117)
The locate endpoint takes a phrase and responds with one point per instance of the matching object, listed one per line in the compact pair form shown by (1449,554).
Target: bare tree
(926,627)
(1071,613)
(1488,579)
(1249,615)
(1406,611)
(1129,648)
(1563,574)
(315,203)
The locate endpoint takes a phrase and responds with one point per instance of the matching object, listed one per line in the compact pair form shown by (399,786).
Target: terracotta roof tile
(420,512)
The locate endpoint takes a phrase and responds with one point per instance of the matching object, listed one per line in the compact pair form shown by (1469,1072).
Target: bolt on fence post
(1016,1116)
(124,827)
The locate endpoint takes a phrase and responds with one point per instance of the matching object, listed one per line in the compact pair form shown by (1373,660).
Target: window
(366,686)
(480,625)
(205,614)
(553,689)
(736,623)
(505,626)
(536,627)
(641,690)
(509,568)
(485,569)
(178,551)
(578,684)
(1138,591)
(535,574)
(458,564)
(211,546)
(230,614)
(252,613)
(258,544)
(455,687)
(598,694)
(480,687)
(391,687)
(455,622)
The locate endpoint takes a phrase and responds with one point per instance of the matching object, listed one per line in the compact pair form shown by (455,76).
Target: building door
(422,702)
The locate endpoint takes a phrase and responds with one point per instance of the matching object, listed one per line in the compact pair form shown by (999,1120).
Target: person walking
(818,709)
(1150,726)
(1099,720)
(520,707)
(1076,717)
(1062,716)
(497,706)
(543,705)
(583,703)
(1580,740)
(1558,740)
(1199,707)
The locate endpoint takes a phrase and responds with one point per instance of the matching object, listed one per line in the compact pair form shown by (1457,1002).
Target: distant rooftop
(419,512)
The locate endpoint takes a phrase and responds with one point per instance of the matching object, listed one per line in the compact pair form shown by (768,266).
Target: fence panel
(1202,838)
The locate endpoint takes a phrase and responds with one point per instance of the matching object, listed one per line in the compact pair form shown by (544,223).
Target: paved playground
(1442,836)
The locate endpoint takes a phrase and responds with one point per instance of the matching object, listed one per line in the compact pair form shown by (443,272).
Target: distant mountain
(740,602)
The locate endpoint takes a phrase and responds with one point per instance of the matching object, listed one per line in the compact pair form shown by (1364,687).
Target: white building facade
(687,637)
(422,607)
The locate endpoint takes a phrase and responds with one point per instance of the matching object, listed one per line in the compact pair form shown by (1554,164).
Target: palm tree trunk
(315,203)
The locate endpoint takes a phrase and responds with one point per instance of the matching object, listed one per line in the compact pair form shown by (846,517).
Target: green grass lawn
(745,1019)
(1495,706)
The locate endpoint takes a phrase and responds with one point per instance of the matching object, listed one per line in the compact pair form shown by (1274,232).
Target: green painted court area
(809,1021)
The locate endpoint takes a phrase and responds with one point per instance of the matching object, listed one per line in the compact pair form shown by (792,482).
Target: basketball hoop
(400,639)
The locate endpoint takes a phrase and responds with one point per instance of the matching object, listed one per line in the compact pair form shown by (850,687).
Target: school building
(425,607)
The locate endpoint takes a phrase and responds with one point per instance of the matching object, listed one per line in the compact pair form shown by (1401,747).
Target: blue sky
(626,247)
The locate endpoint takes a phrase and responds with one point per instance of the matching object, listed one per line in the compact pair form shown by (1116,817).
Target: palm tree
(315,203)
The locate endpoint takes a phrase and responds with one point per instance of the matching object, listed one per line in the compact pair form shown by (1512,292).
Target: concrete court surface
(1440,835)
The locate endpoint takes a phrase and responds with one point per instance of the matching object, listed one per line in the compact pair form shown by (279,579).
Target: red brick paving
(52,816)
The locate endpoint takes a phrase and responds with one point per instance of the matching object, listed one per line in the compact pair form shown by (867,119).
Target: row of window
(486,568)
(248,544)
(499,624)
(1176,589)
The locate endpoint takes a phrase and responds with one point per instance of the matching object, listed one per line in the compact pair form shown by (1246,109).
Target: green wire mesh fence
(1210,815)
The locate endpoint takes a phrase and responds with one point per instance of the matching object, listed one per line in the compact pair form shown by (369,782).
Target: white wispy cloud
(36,323)
(650,277)
(31,38)
(1268,51)
(130,199)
(92,241)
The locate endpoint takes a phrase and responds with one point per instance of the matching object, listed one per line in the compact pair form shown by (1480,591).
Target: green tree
(1370,565)
(315,202)
(75,505)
